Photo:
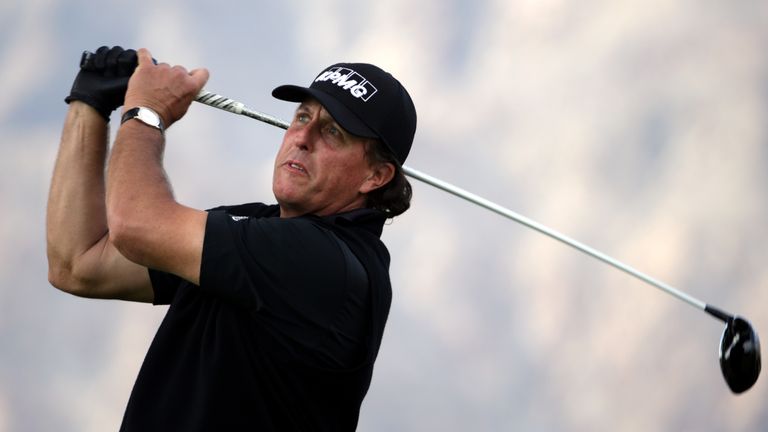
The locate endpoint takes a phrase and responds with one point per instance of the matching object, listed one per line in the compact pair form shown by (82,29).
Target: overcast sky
(638,128)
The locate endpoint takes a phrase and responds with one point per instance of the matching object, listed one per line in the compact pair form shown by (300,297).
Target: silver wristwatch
(145,115)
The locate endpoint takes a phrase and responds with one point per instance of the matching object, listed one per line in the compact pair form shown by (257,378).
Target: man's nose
(305,137)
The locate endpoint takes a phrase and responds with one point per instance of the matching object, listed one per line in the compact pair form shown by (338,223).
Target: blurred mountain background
(638,128)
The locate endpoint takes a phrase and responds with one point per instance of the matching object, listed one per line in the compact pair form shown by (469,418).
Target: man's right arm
(81,257)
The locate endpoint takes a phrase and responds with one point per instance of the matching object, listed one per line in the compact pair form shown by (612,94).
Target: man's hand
(167,90)
(103,80)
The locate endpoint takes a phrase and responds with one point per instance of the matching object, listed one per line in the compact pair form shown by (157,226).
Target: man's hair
(394,198)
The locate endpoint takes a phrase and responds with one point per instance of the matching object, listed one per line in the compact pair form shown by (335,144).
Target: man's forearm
(76,215)
(138,190)
(146,224)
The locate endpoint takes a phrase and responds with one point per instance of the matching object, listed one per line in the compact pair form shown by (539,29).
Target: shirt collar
(369,219)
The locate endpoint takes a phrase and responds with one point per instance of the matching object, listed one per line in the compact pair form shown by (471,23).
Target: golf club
(739,344)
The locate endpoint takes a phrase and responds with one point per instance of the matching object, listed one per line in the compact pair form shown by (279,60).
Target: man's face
(320,169)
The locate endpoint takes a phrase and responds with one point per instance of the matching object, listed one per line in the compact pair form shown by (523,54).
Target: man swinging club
(276,311)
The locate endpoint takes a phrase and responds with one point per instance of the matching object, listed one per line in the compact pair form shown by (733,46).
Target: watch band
(145,115)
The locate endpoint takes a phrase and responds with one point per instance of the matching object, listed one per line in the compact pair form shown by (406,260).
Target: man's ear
(380,175)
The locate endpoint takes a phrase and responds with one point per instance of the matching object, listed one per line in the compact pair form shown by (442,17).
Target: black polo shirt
(282,332)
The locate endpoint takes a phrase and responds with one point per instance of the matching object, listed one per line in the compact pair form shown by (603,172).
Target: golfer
(276,311)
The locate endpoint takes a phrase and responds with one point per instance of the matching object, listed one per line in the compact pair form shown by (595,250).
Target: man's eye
(302,117)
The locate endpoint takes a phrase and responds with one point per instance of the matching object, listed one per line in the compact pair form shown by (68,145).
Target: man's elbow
(62,275)
(125,235)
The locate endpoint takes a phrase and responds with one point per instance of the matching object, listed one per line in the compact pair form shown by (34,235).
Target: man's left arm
(148,226)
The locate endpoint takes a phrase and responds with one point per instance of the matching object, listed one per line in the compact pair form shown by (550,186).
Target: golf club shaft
(236,107)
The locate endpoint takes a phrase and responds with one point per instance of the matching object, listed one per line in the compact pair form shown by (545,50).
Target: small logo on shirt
(238,218)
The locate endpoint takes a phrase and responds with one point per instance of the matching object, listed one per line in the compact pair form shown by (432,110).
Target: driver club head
(739,354)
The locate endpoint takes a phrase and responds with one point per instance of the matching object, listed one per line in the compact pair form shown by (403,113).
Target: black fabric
(281,334)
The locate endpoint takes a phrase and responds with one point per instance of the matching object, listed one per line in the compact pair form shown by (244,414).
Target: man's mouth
(297,166)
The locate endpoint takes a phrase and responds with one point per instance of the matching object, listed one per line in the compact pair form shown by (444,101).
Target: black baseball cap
(364,100)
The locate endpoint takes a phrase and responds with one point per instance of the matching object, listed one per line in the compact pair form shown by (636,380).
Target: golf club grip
(85,58)
(214,100)
(235,107)
(219,101)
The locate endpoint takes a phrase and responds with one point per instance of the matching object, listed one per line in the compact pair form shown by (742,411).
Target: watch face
(149,117)
(146,116)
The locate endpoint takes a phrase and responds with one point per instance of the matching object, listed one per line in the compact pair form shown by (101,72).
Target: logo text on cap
(349,80)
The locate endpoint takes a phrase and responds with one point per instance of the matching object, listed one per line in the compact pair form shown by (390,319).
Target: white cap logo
(349,80)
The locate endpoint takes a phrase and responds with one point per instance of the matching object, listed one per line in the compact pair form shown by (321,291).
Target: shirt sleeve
(291,272)
(164,285)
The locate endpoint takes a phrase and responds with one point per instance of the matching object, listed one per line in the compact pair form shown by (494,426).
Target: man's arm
(82,259)
(147,225)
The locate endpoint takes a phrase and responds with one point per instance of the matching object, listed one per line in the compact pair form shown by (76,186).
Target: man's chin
(290,205)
